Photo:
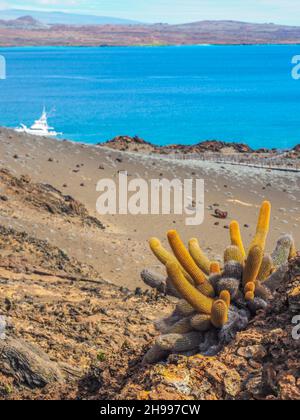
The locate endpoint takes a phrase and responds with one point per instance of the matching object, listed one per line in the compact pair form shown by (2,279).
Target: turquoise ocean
(163,94)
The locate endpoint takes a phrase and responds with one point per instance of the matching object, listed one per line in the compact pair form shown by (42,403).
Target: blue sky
(174,11)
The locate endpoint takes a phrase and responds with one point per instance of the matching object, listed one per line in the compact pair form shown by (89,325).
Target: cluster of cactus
(215,300)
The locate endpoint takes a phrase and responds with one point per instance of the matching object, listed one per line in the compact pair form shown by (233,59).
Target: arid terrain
(76,311)
(26,31)
(120,251)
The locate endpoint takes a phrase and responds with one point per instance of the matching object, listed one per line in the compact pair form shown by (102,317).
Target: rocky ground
(71,335)
(136,144)
(75,328)
(120,251)
(263,362)
(65,328)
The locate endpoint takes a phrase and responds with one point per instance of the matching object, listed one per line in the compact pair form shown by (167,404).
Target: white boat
(39,128)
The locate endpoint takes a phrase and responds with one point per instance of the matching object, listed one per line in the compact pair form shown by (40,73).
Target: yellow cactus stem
(249,287)
(159,251)
(263,226)
(198,256)
(225,296)
(215,268)
(249,296)
(189,264)
(196,299)
(233,253)
(164,256)
(266,268)
(219,313)
(253,265)
(236,238)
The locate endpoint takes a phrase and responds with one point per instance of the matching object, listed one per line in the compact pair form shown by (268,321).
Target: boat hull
(36,133)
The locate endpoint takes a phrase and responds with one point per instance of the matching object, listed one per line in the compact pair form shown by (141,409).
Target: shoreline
(174,148)
(172,144)
(155,45)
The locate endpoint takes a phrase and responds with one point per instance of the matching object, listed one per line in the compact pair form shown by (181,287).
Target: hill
(23,22)
(64,18)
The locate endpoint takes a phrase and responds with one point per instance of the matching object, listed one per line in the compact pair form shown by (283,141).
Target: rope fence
(278,162)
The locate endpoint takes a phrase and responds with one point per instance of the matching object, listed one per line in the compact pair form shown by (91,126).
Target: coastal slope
(71,299)
(120,251)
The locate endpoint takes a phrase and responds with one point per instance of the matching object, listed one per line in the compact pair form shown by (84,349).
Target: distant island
(29,31)
(64,18)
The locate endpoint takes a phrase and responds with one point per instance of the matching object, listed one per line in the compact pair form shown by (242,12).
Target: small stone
(256,352)
(138,291)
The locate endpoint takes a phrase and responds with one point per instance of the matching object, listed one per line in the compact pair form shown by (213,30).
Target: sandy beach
(120,251)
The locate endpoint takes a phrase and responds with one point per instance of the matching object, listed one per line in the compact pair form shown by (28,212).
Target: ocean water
(164,94)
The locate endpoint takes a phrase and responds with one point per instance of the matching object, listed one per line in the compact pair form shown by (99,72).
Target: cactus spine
(266,268)
(154,354)
(154,280)
(253,265)
(215,268)
(263,226)
(219,313)
(184,308)
(180,327)
(282,251)
(249,296)
(196,299)
(198,256)
(225,296)
(250,287)
(233,269)
(293,251)
(230,284)
(189,264)
(164,256)
(236,238)
(262,292)
(179,342)
(201,322)
(171,290)
(233,253)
